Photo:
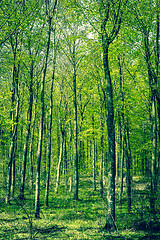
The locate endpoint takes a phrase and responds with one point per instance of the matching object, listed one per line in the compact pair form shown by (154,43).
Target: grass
(66,218)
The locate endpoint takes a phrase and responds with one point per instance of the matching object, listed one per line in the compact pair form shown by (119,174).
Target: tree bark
(122,130)
(12,148)
(114,10)
(93,156)
(154,156)
(110,218)
(31,152)
(39,151)
(29,119)
(152,83)
(102,153)
(15,96)
(128,167)
(76,174)
(59,162)
(50,129)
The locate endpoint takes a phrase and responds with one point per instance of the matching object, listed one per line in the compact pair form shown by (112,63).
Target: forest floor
(66,218)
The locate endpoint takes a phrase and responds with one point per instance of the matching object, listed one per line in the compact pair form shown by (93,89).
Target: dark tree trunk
(102,153)
(29,119)
(50,130)
(122,125)
(39,151)
(93,156)
(14,116)
(110,218)
(128,167)
(76,174)
(12,148)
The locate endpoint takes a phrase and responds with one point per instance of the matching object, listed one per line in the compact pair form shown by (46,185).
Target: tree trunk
(76,174)
(122,131)
(15,95)
(128,167)
(152,83)
(14,169)
(59,163)
(50,129)
(93,156)
(117,154)
(12,148)
(31,152)
(29,119)
(65,163)
(154,156)
(39,151)
(102,153)
(122,175)
(110,218)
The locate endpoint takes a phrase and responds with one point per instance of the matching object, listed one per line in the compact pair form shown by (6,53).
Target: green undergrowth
(66,218)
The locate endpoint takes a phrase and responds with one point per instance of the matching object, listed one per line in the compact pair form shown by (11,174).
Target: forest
(79,119)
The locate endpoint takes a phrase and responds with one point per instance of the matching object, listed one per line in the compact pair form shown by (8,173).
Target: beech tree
(50,11)
(110,8)
(16,50)
(152,63)
(51,118)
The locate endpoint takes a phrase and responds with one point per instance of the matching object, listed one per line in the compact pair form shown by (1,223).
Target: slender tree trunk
(50,130)
(12,148)
(157,55)
(70,155)
(87,151)
(122,174)
(110,218)
(39,154)
(128,166)
(59,163)
(61,144)
(93,156)
(13,182)
(31,153)
(102,153)
(45,144)
(65,162)
(122,131)
(76,174)
(154,156)
(29,119)
(153,83)
(39,151)
(117,153)
(15,95)
(31,150)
